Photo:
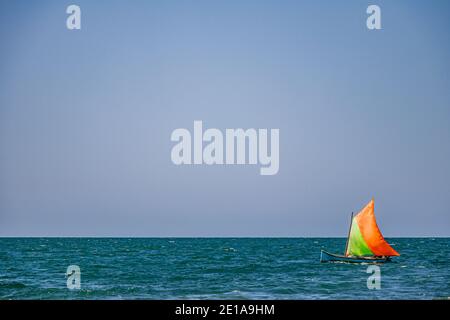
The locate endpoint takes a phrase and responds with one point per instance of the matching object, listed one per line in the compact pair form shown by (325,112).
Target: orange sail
(365,238)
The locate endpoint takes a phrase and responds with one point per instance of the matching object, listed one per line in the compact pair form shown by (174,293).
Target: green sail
(357,246)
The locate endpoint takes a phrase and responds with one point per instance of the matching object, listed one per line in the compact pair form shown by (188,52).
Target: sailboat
(365,243)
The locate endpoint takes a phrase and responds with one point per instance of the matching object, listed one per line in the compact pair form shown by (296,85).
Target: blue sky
(86,117)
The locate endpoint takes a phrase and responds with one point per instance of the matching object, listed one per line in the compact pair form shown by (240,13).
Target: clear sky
(86,117)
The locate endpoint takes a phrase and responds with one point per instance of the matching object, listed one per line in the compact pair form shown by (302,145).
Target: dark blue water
(215,268)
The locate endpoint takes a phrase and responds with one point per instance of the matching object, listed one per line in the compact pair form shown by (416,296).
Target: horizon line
(212,237)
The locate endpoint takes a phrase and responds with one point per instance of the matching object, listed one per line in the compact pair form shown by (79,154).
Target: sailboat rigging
(365,243)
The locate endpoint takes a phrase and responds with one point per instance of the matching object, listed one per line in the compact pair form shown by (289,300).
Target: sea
(217,268)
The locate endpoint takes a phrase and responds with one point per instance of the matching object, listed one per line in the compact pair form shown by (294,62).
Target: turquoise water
(215,268)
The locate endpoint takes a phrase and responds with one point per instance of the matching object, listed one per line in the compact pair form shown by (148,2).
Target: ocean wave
(12,285)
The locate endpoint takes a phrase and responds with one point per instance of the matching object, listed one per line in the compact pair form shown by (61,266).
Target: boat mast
(348,236)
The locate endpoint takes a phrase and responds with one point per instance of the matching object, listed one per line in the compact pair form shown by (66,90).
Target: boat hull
(330,257)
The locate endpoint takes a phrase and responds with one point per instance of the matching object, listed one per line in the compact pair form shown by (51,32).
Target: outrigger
(365,243)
